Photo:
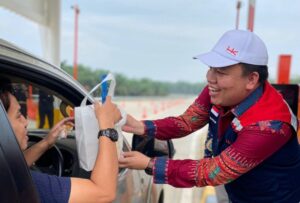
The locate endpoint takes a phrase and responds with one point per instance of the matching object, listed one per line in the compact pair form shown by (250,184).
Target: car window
(66,92)
(43,108)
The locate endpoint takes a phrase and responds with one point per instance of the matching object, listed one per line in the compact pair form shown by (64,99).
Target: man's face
(228,87)
(18,122)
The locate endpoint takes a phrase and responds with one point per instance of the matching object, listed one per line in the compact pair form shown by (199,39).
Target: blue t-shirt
(51,188)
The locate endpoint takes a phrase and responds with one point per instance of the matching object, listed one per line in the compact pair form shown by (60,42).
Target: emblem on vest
(214,112)
(236,124)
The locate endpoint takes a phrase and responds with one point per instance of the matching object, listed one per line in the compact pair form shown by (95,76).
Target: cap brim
(215,60)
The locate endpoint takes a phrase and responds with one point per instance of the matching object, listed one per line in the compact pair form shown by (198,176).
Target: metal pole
(75,71)
(237,22)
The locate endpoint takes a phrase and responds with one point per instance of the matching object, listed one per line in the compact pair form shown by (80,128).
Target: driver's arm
(102,185)
(34,152)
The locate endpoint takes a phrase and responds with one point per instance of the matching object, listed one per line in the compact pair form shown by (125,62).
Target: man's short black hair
(261,70)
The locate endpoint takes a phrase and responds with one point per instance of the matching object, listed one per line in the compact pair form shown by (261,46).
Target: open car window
(44,106)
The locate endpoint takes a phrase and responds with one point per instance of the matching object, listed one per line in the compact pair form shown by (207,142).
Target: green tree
(132,87)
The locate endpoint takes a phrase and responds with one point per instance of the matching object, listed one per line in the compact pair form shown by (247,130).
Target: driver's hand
(134,160)
(59,128)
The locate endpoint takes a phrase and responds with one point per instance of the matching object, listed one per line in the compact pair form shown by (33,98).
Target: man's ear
(253,80)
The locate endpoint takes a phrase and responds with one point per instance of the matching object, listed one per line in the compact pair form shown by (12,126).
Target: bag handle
(123,119)
(111,89)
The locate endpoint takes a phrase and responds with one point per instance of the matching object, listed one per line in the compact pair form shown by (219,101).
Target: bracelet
(149,169)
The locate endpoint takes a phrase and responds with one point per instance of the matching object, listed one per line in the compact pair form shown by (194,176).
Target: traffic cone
(144,115)
(155,110)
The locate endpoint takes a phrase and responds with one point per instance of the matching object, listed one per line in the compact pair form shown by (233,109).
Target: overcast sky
(158,39)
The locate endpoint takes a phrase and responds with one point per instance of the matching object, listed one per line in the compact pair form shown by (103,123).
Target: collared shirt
(254,144)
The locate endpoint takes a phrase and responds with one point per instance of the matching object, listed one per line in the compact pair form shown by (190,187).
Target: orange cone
(144,115)
(155,110)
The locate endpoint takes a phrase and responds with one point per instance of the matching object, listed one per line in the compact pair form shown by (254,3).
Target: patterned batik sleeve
(243,155)
(194,118)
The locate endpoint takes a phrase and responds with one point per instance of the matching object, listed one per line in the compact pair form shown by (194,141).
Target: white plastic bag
(87,128)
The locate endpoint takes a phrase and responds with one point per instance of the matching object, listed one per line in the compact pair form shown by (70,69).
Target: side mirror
(153,147)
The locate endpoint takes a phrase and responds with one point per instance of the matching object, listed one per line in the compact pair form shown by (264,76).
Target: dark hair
(5,89)
(261,70)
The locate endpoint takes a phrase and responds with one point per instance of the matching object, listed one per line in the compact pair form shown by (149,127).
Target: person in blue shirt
(101,187)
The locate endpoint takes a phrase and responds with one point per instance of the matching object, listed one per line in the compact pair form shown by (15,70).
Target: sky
(158,39)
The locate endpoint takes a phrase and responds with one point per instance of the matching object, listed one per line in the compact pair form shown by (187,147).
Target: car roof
(11,53)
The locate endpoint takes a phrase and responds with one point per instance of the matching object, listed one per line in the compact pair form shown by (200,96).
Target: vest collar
(248,102)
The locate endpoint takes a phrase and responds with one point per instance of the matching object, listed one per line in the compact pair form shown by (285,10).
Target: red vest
(270,106)
(276,179)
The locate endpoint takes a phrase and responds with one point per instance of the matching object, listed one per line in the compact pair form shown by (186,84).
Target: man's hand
(107,114)
(134,126)
(57,129)
(134,160)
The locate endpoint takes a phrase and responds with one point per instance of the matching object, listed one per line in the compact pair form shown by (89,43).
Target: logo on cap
(232,51)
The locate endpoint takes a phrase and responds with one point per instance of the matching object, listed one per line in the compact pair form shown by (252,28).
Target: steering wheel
(51,162)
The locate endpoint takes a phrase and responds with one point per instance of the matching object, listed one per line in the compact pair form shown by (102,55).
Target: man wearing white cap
(251,147)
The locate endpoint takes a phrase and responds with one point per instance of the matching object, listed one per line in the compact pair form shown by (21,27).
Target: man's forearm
(103,182)
(106,167)
(34,152)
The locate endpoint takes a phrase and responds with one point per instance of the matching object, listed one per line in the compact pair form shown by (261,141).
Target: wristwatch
(110,133)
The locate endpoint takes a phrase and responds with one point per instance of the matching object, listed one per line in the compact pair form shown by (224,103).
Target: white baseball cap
(236,46)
